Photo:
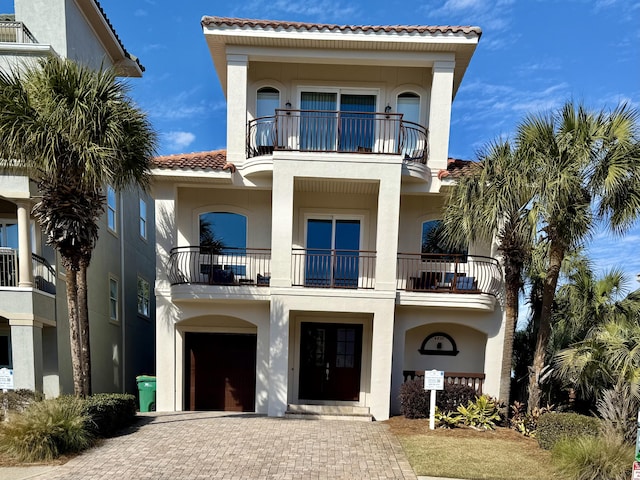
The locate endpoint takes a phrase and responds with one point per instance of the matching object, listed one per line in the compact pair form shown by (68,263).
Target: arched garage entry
(219,364)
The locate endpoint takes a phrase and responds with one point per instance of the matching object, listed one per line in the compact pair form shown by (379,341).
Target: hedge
(110,412)
(553,427)
(414,399)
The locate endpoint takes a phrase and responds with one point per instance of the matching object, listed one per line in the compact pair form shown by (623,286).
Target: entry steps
(328,412)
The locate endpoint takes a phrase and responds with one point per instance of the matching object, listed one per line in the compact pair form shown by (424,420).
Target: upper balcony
(325,131)
(44,276)
(15,32)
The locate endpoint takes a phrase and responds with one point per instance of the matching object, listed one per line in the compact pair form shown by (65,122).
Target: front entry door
(330,360)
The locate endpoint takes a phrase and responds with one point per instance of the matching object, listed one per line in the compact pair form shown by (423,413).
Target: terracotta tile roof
(302,26)
(213,160)
(115,34)
(457,168)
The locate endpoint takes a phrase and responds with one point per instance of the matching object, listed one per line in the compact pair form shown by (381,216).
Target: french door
(333,257)
(335,121)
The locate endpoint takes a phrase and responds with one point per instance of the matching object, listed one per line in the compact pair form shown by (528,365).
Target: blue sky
(533,56)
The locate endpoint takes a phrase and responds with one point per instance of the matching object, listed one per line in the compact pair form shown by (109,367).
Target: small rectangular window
(143,297)
(112,209)
(143,218)
(113,299)
(5,351)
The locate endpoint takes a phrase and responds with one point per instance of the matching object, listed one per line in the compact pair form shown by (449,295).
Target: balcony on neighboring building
(15,32)
(448,273)
(337,132)
(44,276)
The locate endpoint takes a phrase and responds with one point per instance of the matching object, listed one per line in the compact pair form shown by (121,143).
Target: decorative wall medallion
(439,343)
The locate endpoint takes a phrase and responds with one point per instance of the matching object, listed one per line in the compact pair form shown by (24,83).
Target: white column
(25,272)
(166,313)
(387,229)
(278,357)
(26,351)
(281,226)
(440,114)
(237,66)
(381,357)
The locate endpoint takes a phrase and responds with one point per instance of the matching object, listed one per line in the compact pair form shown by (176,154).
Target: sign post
(636,464)
(433,381)
(6,383)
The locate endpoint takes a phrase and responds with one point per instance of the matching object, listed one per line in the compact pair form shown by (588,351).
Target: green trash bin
(147,392)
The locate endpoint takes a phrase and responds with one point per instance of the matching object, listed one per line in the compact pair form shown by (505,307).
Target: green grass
(502,454)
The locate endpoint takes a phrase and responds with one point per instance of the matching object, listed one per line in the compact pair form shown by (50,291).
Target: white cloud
(320,11)
(183,105)
(179,140)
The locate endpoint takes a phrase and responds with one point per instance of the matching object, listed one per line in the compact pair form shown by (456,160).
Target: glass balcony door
(332,253)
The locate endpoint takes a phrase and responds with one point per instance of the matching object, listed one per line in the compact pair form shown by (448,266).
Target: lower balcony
(227,266)
(44,276)
(448,273)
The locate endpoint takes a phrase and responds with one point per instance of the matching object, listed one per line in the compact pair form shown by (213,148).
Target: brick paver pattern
(213,445)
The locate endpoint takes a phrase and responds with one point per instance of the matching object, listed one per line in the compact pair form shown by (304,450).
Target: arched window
(223,231)
(408,104)
(433,241)
(268,100)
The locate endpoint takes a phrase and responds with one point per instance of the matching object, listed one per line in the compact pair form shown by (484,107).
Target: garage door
(220,371)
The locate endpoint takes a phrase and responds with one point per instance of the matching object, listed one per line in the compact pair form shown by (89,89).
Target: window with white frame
(143,296)
(114,300)
(112,209)
(143,219)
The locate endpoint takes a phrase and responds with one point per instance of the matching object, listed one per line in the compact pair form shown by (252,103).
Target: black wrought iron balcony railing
(227,266)
(15,32)
(448,273)
(337,131)
(320,268)
(44,276)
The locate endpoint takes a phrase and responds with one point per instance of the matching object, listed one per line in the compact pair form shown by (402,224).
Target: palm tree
(491,203)
(73,130)
(586,168)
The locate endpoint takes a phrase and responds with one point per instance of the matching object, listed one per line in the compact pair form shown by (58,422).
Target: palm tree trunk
(511,318)
(83,318)
(74,334)
(556,255)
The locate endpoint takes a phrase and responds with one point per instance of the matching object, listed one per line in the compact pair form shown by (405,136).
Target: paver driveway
(213,445)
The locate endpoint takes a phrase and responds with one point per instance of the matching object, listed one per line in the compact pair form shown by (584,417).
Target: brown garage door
(220,371)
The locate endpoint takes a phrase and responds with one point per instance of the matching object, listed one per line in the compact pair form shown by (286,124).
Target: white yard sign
(433,381)
(6,379)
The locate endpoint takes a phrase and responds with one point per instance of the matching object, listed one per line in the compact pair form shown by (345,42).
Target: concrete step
(328,412)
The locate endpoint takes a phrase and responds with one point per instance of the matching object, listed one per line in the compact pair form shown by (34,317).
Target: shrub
(526,423)
(594,458)
(18,400)
(110,412)
(557,426)
(454,395)
(481,414)
(46,430)
(414,399)
(618,409)
(447,419)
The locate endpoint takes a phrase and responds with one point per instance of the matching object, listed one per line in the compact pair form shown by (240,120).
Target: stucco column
(281,226)
(381,357)
(387,228)
(237,66)
(440,114)
(278,357)
(25,272)
(166,313)
(397,367)
(26,351)
(494,351)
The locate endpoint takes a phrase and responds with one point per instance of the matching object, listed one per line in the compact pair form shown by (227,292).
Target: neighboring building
(34,335)
(298,267)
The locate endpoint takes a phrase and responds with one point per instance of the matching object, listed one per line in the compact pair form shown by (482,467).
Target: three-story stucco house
(299,270)
(34,335)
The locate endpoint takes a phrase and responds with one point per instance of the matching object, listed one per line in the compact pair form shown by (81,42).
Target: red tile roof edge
(214,160)
(457,168)
(275,24)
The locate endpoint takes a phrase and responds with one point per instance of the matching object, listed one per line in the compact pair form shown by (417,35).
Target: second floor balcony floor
(336,131)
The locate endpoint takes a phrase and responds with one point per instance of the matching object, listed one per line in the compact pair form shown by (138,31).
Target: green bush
(553,427)
(594,458)
(454,395)
(18,400)
(447,419)
(481,414)
(46,430)
(110,412)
